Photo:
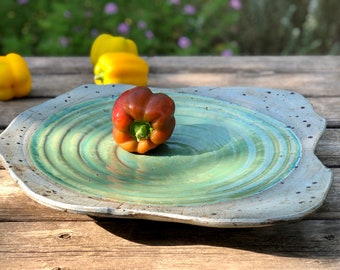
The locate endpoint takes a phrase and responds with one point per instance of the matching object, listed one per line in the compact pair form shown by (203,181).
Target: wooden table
(35,237)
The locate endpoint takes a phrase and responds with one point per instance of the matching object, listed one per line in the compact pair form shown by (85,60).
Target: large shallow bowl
(238,157)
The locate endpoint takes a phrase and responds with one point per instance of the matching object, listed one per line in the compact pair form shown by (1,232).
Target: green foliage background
(259,27)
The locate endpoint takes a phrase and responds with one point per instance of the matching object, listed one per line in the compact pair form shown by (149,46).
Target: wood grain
(33,236)
(154,245)
(328,148)
(173,64)
(308,75)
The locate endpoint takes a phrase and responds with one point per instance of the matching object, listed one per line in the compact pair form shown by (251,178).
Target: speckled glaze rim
(298,195)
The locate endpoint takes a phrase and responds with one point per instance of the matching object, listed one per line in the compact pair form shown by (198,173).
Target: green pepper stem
(140,130)
(99,76)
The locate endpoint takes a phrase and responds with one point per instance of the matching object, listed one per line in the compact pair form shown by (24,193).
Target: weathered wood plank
(33,236)
(59,65)
(308,75)
(328,148)
(16,206)
(133,244)
(178,64)
(49,86)
(328,108)
(308,84)
(287,64)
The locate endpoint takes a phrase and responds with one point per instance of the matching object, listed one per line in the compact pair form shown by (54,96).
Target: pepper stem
(140,130)
(99,76)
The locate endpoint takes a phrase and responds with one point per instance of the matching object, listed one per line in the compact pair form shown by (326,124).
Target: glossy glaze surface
(218,151)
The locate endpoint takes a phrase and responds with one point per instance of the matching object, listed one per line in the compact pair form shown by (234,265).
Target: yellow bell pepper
(121,67)
(15,77)
(107,43)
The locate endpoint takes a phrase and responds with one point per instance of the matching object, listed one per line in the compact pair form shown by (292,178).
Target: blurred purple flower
(111,8)
(141,24)
(227,52)
(123,28)
(67,14)
(235,4)
(174,2)
(184,42)
(149,34)
(189,9)
(22,2)
(63,41)
(94,32)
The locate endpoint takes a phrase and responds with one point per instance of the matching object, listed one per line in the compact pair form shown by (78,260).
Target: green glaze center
(218,152)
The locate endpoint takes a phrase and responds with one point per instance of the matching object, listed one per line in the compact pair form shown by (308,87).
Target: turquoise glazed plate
(238,157)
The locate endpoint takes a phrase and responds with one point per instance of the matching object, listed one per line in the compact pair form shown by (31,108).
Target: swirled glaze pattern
(219,151)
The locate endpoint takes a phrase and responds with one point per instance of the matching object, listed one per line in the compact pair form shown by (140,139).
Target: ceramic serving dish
(238,157)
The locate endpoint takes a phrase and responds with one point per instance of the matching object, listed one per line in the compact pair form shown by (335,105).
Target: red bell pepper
(142,120)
